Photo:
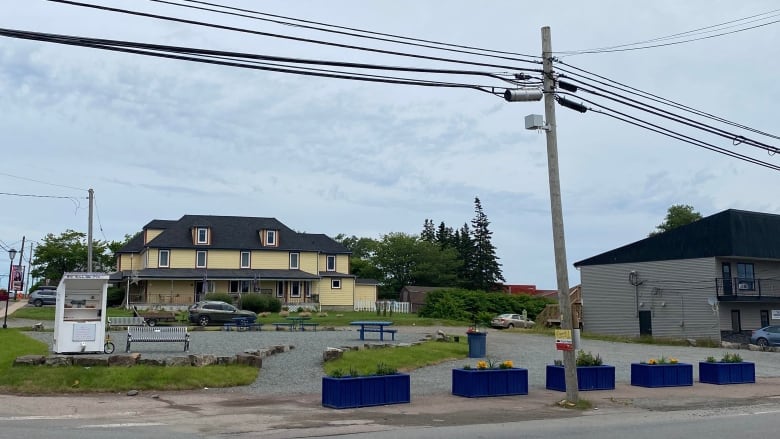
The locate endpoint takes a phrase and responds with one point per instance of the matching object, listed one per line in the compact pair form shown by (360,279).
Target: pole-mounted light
(523,94)
(12,256)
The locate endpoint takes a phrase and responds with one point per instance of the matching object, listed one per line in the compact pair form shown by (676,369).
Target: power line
(675,135)
(116,46)
(647,44)
(659,99)
(314,25)
(42,182)
(287,37)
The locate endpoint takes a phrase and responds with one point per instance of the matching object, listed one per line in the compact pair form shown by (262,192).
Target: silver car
(511,321)
(766,336)
(43,296)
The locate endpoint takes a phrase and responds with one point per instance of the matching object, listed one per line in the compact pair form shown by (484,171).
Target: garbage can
(477,344)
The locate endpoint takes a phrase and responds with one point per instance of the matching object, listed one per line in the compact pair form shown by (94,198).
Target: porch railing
(747,288)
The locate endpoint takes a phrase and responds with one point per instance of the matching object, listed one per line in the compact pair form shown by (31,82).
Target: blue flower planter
(661,375)
(475,383)
(727,373)
(366,391)
(588,378)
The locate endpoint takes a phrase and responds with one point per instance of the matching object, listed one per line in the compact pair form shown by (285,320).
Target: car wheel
(203,320)
(762,342)
(510,326)
(38,303)
(151,322)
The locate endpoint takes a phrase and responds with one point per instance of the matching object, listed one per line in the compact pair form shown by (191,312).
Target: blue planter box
(351,392)
(727,373)
(588,378)
(661,375)
(473,383)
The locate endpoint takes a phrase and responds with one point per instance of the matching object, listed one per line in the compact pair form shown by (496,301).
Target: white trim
(328,258)
(268,241)
(297,264)
(335,284)
(159,258)
(205,239)
(205,258)
(248,258)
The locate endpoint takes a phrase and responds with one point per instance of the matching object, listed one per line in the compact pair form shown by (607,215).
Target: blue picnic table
(242,324)
(374,326)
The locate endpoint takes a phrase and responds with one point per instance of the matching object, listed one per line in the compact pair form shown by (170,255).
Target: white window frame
(297,264)
(167,259)
(205,258)
(280,290)
(248,259)
(205,232)
(307,288)
(329,258)
(335,284)
(270,238)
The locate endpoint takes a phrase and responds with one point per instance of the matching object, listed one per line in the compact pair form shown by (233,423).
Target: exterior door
(764,318)
(736,321)
(727,284)
(645,323)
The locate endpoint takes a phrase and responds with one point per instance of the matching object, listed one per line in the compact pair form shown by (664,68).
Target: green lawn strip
(78,379)
(403,358)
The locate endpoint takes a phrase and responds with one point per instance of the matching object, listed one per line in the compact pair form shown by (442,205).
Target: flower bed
(655,374)
(474,383)
(365,391)
(729,370)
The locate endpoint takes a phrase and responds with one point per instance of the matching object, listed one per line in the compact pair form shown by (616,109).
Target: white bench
(126,321)
(158,334)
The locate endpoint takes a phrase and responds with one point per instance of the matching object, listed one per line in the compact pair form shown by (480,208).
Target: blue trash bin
(477,344)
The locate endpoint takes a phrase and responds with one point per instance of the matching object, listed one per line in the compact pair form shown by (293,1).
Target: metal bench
(290,326)
(158,334)
(381,331)
(126,321)
(242,326)
(309,324)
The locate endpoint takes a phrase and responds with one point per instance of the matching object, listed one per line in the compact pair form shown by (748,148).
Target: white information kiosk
(79,319)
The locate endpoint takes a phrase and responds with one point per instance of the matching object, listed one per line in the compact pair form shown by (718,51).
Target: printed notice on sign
(84,332)
(563,340)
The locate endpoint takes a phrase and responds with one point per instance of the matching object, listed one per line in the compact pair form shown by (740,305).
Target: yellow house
(176,262)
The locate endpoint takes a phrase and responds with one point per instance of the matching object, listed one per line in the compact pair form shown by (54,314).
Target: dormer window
(202,235)
(270,238)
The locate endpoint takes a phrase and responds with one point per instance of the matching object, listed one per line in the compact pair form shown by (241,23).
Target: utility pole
(21,264)
(89,231)
(561,271)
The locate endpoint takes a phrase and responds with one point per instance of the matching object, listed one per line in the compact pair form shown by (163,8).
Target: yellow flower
(652,361)
(508,364)
(673,360)
(482,365)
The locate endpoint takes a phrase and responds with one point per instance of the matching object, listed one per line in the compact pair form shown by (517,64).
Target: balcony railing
(736,288)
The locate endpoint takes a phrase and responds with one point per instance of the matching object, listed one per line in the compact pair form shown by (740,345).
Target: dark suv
(43,296)
(214,311)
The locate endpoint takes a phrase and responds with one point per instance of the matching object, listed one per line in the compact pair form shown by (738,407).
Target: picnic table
(242,324)
(374,326)
(296,321)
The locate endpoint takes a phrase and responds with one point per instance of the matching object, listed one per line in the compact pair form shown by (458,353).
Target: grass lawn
(403,359)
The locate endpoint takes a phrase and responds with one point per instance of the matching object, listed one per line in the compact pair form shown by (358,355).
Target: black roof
(233,232)
(731,233)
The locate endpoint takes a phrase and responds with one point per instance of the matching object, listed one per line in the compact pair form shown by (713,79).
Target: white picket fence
(370,305)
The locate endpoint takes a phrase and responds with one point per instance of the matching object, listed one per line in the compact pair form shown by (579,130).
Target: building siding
(151,234)
(365,292)
(676,292)
(337,297)
(269,259)
(308,262)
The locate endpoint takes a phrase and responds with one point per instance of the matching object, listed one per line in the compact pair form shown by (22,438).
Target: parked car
(214,311)
(511,321)
(43,296)
(766,336)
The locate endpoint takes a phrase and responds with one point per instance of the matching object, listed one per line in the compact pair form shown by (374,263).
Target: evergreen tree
(486,270)
(444,235)
(429,231)
(465,247)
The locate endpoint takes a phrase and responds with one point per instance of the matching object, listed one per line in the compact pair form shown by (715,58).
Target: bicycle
(108,347)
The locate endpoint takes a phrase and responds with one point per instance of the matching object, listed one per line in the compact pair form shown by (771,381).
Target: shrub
(588,359)
(731,358)
(224,297)
(254,302)
(115,296)
(467,305)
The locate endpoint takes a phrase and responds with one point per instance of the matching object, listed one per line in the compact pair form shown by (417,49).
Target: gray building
(719,275)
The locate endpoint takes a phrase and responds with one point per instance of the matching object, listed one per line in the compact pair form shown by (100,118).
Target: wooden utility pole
(561,271)
(89,231)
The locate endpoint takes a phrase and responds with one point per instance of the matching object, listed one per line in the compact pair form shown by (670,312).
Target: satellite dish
(712,301)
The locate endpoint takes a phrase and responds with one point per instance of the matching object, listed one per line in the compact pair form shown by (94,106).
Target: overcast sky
(159,138)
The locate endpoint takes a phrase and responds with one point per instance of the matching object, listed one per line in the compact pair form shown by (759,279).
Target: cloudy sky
(159,138)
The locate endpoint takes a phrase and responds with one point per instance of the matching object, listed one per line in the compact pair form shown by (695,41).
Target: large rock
(177,361)
(30,360)
(58,360)
(249,360)
(202,360)
(90,361)
(151,361)
(124,360)
(331,354)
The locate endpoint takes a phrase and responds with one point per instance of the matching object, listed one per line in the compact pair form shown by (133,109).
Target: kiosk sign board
(563,340)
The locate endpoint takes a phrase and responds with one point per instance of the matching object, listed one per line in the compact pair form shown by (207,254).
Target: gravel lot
(299,371)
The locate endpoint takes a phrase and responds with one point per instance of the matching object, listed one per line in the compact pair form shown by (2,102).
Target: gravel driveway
(299,370)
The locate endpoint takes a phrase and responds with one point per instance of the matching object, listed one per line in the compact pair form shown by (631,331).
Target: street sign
(563,340)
